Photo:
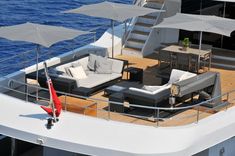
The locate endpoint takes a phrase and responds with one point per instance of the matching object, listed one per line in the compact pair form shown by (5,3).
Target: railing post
(27,93)
(227,102)
(65,102)
(158,114)
(198,114)
(109,111)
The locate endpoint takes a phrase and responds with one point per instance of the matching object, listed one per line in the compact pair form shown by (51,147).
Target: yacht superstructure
(106,123)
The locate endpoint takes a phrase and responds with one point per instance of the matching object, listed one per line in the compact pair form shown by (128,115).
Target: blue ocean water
(45,12)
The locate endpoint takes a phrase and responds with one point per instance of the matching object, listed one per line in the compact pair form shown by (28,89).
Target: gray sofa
(155,95)
(92,82)
(93,78)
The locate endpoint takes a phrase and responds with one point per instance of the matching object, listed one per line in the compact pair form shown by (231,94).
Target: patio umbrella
(38,34)
(114,11)
(201,23)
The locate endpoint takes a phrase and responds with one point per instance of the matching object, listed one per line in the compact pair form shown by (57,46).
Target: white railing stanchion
(198,113)
(27,93)
(227,101)
(65,102)
(158,114)
(109,111)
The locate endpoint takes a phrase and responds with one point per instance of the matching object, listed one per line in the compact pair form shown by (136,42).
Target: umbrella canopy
(115,11)
(212,24)
(201,23)
(43,35)
(39,34)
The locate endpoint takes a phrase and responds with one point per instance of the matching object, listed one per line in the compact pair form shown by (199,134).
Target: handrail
(158,109)
(157,20)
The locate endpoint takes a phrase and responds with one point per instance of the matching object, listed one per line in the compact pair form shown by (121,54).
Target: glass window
(209,7)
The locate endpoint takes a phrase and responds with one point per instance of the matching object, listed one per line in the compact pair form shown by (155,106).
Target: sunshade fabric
(115,11)
(44,35)
(203,23)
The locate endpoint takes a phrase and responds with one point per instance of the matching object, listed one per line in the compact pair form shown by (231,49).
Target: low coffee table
(115,93)
(120,87)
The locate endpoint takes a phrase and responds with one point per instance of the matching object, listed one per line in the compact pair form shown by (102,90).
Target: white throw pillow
(78,72)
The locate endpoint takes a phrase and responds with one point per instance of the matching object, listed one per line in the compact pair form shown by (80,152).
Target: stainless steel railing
(194,114)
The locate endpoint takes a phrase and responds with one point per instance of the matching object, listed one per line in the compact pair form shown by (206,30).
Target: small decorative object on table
(185,44)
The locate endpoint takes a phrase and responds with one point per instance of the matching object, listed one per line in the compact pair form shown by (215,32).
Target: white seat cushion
(187,75)
(160,88)
(97,79)
(78,72)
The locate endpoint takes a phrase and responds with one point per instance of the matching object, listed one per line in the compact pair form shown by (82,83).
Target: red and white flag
(56,106)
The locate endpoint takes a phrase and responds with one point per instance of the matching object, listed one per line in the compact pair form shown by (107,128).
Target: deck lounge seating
(153,95)
(85,75)
(207,85)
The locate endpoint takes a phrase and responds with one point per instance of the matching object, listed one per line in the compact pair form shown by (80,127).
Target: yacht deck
(150,66)
(148,116)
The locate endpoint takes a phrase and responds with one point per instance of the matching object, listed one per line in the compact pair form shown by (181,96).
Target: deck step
(132,52)
(144,24)
(140,32)
(149,16)
(136,40)
(139,35)
(153,5)
(135,43)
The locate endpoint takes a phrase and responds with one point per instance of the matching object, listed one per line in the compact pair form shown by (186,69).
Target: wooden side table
(134,74)
(77,105)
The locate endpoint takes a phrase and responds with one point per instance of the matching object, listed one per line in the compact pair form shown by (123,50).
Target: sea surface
(45,12)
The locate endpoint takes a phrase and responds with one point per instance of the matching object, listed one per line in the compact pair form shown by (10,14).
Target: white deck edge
(93,136)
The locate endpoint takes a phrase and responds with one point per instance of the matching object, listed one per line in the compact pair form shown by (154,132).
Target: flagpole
(49,87)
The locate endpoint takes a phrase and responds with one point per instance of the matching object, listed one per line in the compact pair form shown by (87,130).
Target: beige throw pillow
(78,72)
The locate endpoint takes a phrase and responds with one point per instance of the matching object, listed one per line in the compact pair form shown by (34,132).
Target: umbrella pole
(37,56)
(224,11)
(112,23)
(222,37)
(200,7)
(200,42)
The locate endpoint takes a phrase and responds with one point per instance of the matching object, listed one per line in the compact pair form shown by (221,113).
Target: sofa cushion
(187,75)
(84,62)
(177,74)
(160,89)
(117,66)
(75,64)
(94,80)
(68,71)
(151,88)
(103,66)
(91,61)
(78,72)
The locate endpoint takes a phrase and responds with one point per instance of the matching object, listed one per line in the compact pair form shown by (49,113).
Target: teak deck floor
(150,66)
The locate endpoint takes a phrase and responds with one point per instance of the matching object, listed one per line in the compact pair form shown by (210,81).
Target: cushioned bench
(81,79)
